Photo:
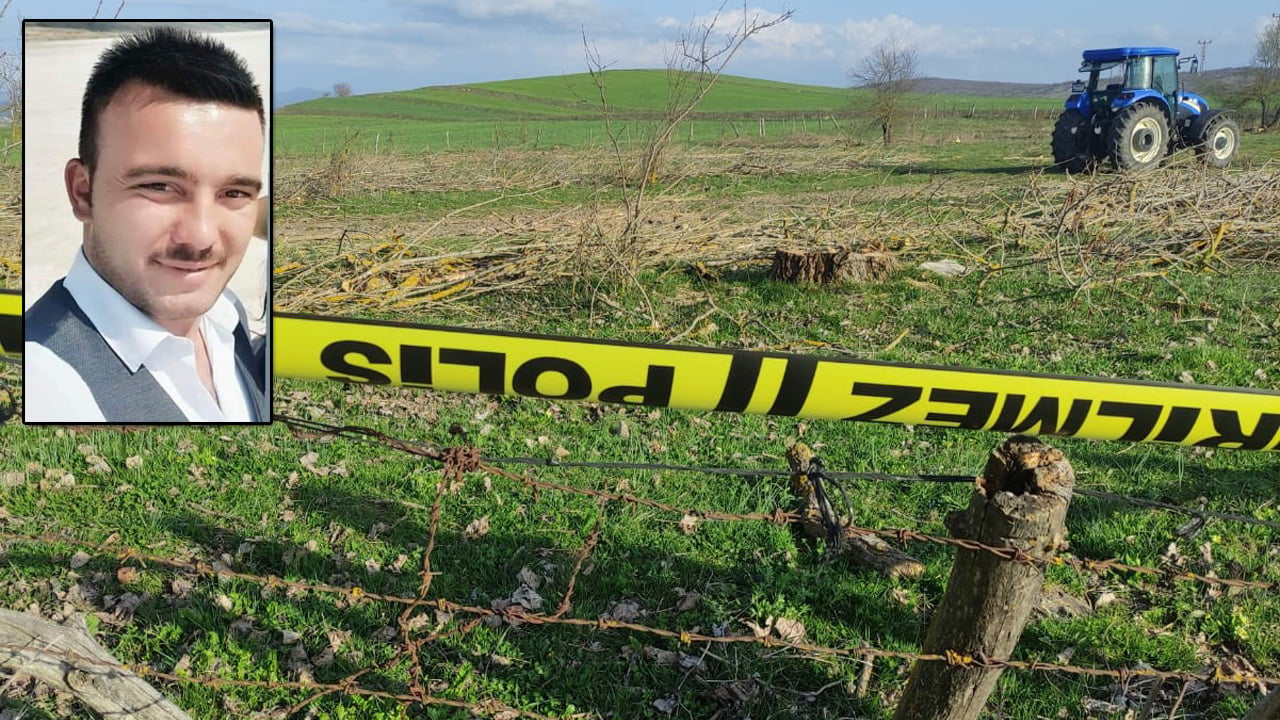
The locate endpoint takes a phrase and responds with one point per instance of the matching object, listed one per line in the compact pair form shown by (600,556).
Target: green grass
(565,111)
(258,496)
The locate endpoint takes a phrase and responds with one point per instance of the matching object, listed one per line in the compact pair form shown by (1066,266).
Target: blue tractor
(1132,110)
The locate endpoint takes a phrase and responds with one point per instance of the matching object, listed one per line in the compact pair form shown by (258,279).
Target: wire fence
(456,462)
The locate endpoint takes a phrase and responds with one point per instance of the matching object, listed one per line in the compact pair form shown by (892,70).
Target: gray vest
(57,322)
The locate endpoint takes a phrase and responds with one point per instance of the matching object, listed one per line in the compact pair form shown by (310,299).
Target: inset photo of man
(145,237)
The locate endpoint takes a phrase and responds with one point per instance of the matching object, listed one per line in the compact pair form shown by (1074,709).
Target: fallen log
(66,658)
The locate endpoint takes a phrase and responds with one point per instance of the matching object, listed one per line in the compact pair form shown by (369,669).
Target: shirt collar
(128,331)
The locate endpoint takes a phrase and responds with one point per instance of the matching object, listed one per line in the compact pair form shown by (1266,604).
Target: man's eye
(238,194)
(156,187)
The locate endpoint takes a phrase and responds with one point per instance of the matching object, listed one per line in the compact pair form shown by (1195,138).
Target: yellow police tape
(380,352)
(10,322)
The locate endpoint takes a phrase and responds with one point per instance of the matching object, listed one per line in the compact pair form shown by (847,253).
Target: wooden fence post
(1020,502)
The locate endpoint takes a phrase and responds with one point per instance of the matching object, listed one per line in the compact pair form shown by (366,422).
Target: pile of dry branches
(1078,231)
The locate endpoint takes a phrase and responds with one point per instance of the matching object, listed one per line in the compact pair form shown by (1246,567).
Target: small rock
(945,268)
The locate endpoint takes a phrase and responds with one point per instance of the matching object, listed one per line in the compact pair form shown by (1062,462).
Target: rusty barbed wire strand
(458,461)
(593,538)
(1203,514)
(516,614)
(783,517)
(487,708)
(425,577)
(363,434)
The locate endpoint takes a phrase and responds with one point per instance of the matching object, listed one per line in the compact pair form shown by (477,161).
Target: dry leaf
(689,524)
(180,588)
(308,461)
(289,637)
(529,577)
(624,611)
(666,704)
(80,559)
(133,462)
(477,528)
(127,574)
(223,602)
(527,597)
(789,630)
(686,601)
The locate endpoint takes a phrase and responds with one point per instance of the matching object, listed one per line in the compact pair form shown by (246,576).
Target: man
(142,328)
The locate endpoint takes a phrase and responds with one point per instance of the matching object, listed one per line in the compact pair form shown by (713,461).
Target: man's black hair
(177,61)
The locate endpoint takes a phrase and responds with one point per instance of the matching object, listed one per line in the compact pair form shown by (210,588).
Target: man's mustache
(188,254)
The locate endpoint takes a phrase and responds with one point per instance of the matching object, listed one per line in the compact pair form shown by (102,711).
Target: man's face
(171,205)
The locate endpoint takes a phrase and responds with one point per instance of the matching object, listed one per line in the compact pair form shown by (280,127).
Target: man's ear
(79,189)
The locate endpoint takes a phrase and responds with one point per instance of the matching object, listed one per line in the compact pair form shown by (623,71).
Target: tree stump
(66,658)
(829,266)
(1020,503)
(867,550)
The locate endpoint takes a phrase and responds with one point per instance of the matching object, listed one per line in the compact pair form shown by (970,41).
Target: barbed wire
(367,435)
(1194,512)
(784,517)
(458,461)
(346,686)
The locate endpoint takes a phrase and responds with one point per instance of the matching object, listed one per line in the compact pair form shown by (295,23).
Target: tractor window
(1139,74)
(1166,75)
(1105,76)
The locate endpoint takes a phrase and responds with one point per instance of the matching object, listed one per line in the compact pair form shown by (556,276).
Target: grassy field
(1099,276)
(565,111)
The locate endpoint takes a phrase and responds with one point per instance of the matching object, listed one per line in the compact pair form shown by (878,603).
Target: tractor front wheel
(1218,143)
(1139,138)
(1073,143)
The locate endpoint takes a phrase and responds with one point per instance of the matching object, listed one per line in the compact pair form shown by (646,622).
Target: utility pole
(1203,44)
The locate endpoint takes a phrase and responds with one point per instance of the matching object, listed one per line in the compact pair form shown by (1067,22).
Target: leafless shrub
(888,73)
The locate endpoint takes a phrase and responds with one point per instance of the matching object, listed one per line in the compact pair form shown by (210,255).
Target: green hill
(565,110)
(574,96)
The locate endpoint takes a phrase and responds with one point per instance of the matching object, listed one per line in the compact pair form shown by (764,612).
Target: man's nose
(197,226)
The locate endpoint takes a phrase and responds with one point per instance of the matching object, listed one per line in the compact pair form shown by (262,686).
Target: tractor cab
(1119,77)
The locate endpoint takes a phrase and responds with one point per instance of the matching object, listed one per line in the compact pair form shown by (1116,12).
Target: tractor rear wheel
(1218,143)
(1139,137)
(1072,143)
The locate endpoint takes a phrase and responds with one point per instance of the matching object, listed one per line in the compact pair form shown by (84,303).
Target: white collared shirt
(54,392)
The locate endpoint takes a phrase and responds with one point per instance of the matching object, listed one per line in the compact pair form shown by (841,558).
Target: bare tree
(889,73)
(342,89)
(694,64)
(1263,86)
(11,92)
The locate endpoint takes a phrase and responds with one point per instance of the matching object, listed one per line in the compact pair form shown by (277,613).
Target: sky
(384,45)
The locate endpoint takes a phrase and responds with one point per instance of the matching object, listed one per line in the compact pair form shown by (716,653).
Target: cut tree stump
(66,658)
(829,266)
(1020,502)
(867,550)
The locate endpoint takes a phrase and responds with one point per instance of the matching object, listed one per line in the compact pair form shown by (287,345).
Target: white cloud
(554,12)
